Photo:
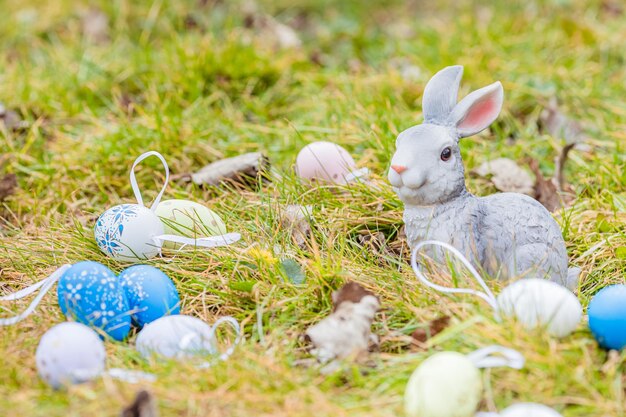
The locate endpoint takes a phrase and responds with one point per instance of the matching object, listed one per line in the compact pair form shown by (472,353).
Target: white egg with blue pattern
(127,232)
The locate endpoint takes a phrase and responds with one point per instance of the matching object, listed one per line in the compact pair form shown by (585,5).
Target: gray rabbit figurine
(505,234)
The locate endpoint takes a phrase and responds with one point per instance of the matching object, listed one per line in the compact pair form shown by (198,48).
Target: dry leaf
(11,120)
(408,71)
(144,405)
(507,176)
(8,184)
(545,190)
(346,332)
(240,169)
(560,126)
(95,26)
(278,35)
(421,335)
(295,218)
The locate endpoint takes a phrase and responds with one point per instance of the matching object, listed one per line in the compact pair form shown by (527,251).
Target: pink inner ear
(479,115)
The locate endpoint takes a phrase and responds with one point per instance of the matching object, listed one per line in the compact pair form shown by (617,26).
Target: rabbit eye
(446,154)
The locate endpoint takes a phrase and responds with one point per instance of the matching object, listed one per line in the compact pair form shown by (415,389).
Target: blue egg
(151,294)
(607,317)
(90,293)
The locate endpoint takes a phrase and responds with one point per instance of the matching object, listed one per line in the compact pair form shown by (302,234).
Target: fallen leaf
(612,8)
(295,219)
(144,405)
(293,270)
(95,26)
(506,176)
(560,126)
(8,184)
(11,120)
(346,332)
(276,34)
(422,334)
(408,71)
(241,169)
(545,190)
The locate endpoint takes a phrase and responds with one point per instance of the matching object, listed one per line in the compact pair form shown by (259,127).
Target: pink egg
(325,161)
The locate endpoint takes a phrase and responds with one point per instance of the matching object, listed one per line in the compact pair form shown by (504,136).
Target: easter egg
(188,219)
(607,317)
(150,293)
(541,303)
(126,232)
(447,384)
(177,337)
(529,410)
(325,161)
(69,353)
(90,293)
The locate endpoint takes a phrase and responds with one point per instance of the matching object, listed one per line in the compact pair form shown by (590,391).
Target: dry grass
(191,81)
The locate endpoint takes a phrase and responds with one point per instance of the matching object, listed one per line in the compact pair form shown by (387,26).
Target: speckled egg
(69,353)
(529,410)
(90,293)
(150,293)
(324,161)
(537,302)
(447,384)
(178,337)
(607,317)
(126,232)
(188,219)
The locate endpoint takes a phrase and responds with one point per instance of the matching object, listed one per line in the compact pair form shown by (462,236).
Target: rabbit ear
(440,94)
(478,110)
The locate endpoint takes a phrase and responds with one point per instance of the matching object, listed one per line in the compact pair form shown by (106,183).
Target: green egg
(189,219)
(445,385)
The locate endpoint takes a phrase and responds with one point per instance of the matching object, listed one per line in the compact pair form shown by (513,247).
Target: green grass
(214,88)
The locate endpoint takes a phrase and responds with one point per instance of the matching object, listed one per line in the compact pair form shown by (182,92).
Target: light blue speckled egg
(607,317)
(90,293)
(150,293)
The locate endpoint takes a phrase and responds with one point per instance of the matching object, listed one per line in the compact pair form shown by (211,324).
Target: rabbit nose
(399,168)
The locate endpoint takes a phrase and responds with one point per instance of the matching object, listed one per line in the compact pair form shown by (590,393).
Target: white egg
(177,337)
(529,410)
(541,303)
(447,384)
(70,353)
(127,232)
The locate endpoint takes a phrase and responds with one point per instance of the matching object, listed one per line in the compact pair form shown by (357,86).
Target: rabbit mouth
(411,195)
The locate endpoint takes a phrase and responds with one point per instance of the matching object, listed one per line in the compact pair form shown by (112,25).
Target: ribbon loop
(487,295)
(133,180)
(45,286)
(485,358)
(235,325)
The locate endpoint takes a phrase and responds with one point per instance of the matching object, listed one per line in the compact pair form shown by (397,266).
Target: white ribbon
(185,341)
(133,180)
(45,286)
(357,175)
(487,295)
(205,242)
(132,377)
(485,358)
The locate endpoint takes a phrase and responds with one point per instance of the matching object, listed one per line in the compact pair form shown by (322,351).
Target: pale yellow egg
(445,385)
(189,219)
